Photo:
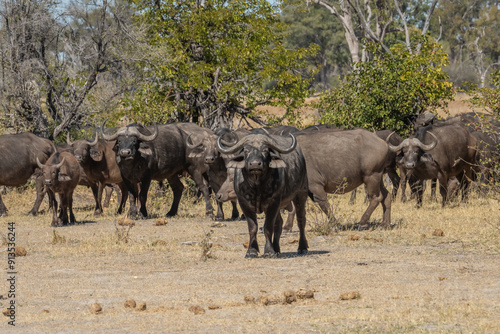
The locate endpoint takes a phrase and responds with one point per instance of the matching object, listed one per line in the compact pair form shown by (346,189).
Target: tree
(53,58)
(308,25)
(470,38)
(385,91)
(215,61)
(374,20)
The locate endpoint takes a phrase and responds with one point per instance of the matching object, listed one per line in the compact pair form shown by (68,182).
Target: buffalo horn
(150,137)
(93,143)
(59,165)
(39,163)
(430,146)
(229,150)
(108,137)
(393,148)
(190,144)
(284,150)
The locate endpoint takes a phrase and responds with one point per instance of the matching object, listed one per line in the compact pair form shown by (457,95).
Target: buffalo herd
(264,170)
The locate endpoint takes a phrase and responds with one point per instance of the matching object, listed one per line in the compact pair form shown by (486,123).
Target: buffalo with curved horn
(97,160)
(440,152)
(156,152)
(269,173)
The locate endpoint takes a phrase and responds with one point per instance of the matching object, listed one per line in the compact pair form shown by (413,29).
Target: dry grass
(406,279)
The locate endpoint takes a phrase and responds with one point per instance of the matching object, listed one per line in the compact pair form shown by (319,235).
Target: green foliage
(488,98)
(213,62)
(384,91)
(309,24)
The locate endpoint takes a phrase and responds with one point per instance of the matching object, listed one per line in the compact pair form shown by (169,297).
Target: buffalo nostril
(124,153)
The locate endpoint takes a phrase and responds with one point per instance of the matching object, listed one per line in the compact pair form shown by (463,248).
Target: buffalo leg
(375,194)
(40,194)
(395,180)
(234,214)
(272,213)
(418,188)
(433,190)
(320,197)
(253,246)
(300,211)
(55,219)
(72,219)
(278,228)
(3,209)
(108,192)
(123,197)
(177,188)
(291,214)
(132,195)
(143,197)
(64,208)
(95,192)
(443,188)
(202,186)
(386,206)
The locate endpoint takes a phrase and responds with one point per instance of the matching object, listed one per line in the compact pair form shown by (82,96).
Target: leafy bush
(385,91)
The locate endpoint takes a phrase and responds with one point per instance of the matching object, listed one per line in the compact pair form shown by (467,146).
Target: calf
(61,174)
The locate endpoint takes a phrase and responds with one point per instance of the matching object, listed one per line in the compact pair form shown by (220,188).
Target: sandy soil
(407,281)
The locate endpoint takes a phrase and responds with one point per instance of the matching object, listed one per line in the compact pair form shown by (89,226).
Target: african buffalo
(438,152)
(205,147)
(226,193)
(61,175)
(97,159)
(155,153)
(18,162)
(340,161)
(269,173)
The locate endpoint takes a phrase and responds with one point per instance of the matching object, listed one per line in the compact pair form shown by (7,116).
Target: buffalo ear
(426,157)
(236,164)
(277,163)
(145,150)
(96,155)
(63,177)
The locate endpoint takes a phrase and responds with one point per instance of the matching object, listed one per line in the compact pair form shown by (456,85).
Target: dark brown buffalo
(61,175)
(97,160)
(340,161)
(269,173)
(154,153)
(205,147)
(438,152)
(226,193)
(41,188)
(18,162)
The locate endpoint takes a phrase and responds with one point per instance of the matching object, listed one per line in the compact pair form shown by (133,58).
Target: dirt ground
(193,276)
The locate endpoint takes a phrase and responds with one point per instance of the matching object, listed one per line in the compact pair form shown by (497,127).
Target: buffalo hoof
(97,213)
(170,214)
(243,217)
(302,252)
(251,255)
(362,227)
(31,213)
(219,219)
(270,255)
